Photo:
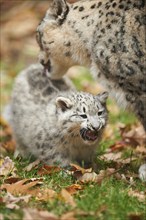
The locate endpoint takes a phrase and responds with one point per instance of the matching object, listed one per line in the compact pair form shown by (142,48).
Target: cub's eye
(100,113)
(83,116)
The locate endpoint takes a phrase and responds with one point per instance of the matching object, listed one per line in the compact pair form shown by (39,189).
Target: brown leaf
(134,136)
(8,143)
(46,194)
(75,167)
(67,198)
(141,149)
(141,196)
(88,177)
(68,216)
(6,167)
(11,200)
(119,145)
(74,188)
(11,180)
(83,175)
(22,187)
(31,214)
(45,169)
(111,156)
(83,214)
(105,174)
(116,157)
(135,216)
(32,165)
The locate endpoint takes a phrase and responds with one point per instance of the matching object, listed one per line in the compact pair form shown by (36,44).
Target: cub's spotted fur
(53,122)
(108,36)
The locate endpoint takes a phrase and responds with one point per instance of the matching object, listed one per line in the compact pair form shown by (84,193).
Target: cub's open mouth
(88,135)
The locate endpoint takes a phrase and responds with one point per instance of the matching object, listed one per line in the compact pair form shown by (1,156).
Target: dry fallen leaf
(118,145)
(134,216)
(88,177)
(46,194)
(23,187)
(45,169)
(105,174)
(83,214)
(67,198)
(75,167)
(141,196)
(68,216)
(31,214)
(74,188)
(7,167)
(141,149)
(32,165)
(111,156)
(29,187)
(83,175)
(116,157)
(11,200)
(12,179)
(134,135)
(8,144)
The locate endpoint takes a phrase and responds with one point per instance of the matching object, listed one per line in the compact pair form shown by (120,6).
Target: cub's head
(83,115)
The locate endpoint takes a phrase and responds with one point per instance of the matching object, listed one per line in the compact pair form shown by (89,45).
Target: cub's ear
(63,103)
(102,97)
(58,10)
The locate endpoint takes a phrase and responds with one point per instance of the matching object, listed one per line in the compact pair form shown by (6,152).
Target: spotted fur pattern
(53,122)
(107,36)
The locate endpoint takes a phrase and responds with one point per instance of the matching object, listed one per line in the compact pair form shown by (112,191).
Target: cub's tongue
(91,135)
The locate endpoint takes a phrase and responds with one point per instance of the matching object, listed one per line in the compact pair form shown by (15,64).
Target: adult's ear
(102,97)
(58,10)
(63,103)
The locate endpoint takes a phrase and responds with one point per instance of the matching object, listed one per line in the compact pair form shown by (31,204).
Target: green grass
(111,194)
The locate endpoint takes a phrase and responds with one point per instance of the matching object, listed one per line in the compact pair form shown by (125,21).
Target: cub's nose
(95,123)
(96,128)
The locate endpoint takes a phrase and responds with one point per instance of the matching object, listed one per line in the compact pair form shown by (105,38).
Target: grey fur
(52,122)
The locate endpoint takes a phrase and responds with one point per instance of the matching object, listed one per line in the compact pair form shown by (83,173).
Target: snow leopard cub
(53,122)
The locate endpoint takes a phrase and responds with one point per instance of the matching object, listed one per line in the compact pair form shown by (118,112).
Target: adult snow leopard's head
(60,46)
(83,116)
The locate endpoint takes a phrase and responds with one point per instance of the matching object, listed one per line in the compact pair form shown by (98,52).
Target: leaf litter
(11,201)
(32,165)
(67,197)
(23,190)
(23,187)
(7,167)
(32,214)
(45,169)
(141,196)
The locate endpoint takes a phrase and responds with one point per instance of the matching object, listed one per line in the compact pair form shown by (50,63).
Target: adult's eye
(83,116)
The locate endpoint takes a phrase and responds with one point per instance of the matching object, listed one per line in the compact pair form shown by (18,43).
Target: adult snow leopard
(107,36)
